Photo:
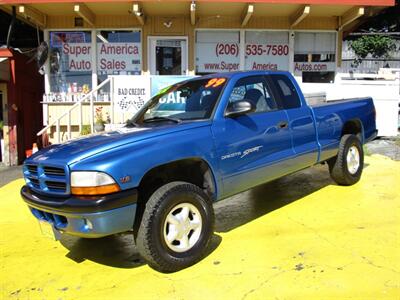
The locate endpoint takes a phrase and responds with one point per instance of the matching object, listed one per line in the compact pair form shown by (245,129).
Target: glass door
(167,56)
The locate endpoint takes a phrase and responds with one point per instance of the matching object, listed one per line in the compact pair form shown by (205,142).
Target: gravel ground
(385,146)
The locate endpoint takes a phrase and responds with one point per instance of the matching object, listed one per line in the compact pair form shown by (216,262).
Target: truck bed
(330,118)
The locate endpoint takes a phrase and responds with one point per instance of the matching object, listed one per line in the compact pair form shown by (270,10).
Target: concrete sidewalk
(8,174)
(300,237)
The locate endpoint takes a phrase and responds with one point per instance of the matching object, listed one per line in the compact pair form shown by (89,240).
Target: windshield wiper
(131,123)
(161,119)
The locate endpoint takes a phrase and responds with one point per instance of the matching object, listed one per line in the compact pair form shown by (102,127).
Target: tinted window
(253,89)
(190,100)
(286,92)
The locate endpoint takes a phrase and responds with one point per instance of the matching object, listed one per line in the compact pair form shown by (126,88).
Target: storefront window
(70,62)
(217,51)
(267,50)
(314,56)
(119,52)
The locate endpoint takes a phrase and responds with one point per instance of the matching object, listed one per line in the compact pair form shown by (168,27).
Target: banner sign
(172,101)
(266,51)
(131,92)
(160,82)
(119,57)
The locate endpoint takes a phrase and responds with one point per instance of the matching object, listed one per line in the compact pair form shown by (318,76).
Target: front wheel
(176,227)
(347,166)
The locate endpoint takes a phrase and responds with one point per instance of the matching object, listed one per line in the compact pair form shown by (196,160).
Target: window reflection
(118,53)
(70,62)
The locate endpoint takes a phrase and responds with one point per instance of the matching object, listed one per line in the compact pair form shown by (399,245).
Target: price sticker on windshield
(215,82)
(163,90)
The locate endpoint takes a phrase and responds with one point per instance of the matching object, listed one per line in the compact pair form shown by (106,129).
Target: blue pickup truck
(194,143)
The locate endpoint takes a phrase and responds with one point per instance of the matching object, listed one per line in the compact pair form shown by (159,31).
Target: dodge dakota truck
(194,143)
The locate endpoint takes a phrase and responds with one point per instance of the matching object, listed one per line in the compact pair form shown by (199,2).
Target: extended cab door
(252,148)
(301,120)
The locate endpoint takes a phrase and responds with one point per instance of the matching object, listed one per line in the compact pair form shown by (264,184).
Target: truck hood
(84,147)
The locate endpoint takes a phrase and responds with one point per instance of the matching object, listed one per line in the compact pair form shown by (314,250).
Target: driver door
(252,148)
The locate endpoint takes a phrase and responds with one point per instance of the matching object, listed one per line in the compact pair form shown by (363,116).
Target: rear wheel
(347,166)
(176,227)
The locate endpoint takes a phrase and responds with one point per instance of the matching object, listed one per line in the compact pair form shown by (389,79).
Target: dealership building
(89,41)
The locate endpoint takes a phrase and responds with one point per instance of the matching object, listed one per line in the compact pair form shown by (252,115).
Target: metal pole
(91,114)
(69,125)
(58,133)
(80,117)
(112,100)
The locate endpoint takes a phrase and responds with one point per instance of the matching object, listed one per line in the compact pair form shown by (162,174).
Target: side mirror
(240,108)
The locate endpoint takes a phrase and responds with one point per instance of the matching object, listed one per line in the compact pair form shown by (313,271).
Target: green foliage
(379,46)
(85,130)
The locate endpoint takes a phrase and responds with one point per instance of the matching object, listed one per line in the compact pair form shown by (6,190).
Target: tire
(161,236)
(347,166)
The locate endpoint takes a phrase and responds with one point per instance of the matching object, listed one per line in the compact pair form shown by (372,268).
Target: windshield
(190,100)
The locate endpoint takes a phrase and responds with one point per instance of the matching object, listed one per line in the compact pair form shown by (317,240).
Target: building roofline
(310,2)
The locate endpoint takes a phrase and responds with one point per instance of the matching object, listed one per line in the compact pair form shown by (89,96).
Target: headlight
(92,183)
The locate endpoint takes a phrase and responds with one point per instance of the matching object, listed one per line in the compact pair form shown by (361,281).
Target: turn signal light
(95,190)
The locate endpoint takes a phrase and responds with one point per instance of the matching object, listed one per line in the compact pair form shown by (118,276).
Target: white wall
(386,96)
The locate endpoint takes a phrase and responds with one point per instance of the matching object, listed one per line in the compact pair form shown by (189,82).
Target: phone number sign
(263,50)
(267,57)
(267,51)
(217,57)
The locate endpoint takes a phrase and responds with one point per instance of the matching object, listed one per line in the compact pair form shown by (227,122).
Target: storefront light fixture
(193,13)
(32,15)
(84,12)
(137,11)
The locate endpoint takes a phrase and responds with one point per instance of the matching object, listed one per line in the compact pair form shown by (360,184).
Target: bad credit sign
(131,92)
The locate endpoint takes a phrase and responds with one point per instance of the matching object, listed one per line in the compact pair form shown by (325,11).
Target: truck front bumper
(89,217)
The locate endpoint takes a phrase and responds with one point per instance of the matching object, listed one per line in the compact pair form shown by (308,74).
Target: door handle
(283,124)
